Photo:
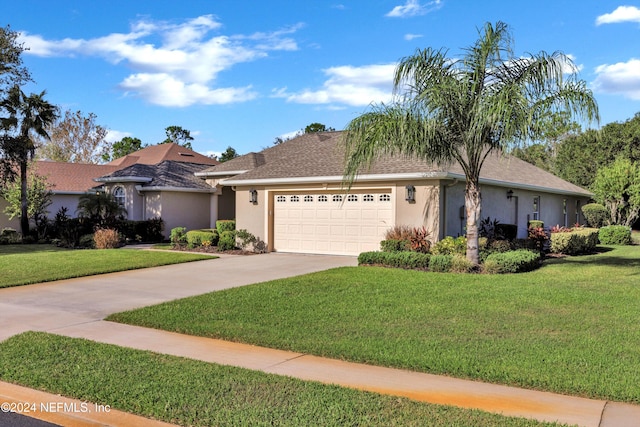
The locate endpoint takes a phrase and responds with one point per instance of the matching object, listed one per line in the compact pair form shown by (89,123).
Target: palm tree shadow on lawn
(598,258)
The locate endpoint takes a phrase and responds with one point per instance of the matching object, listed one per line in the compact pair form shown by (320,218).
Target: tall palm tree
(27,115)
(462,109)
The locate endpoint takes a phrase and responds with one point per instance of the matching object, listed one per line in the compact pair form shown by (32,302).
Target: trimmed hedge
(440,263)
(579,241)
(225,225)
(394,245)
(595,214)
(450,246)
(518,261)
(615,235)
(227,240)
(196,237)
(412,260)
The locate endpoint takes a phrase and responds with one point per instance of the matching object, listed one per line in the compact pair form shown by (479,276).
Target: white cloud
(621,14)
(410,37)
(115,135)
(622,78)
(414,8)
(179,71)
(348,85)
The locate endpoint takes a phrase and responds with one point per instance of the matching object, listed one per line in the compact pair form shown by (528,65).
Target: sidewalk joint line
(286,360)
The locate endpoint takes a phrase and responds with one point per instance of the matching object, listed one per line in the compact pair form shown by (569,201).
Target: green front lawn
(26,264)
(570,327)
(194,393)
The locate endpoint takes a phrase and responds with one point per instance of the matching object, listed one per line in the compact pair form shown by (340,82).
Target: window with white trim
(294,199)
(323,198)
(352,198)
(577,211)
(281,199)
(536,208)
(337,198)
(564,211)
(368,198)
(308,198)
(384,198)
(119,195)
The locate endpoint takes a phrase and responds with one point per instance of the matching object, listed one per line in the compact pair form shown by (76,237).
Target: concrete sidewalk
(76,308)
(509,401)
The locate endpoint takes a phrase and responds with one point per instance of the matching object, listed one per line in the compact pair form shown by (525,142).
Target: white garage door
(331,223)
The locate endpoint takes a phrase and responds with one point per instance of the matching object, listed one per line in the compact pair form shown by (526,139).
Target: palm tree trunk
(24,211)
(473,204)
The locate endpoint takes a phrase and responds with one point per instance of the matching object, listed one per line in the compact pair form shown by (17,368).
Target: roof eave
(219,173)
(111,179)
(177,189)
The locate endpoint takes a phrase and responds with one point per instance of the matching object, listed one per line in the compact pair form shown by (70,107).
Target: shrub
(538,237)
(86,241)
(615,235)
(419,240)
(450,246)
(399,232)
(225,225)
(9,236)
(106,238)
(149,230)
(196,237)
(517,261)
(500,246)
(460,264)
(227,240)
(534,223)
(410,260)
(488,228)
(393,245)
(178,237)
(507,231)
(579,241)
(245,238)
(440,263)
(595,214)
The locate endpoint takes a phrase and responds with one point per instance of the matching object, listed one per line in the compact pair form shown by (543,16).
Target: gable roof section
(156,154)
(167,175)
(319,157)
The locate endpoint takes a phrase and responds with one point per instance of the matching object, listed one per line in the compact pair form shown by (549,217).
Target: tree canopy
(228,154)
(617,187)
(12,70)
(125,146)
(462,109)
(178,135)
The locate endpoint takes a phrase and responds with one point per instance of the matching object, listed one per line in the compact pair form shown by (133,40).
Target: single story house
(291,195)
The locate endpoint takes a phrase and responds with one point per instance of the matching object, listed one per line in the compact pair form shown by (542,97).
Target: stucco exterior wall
(5,222)
(179,209)
(425,211)
(69,201)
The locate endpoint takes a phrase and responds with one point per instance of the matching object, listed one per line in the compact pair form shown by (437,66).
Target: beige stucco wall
(5,222)
(425,211)
(178,209)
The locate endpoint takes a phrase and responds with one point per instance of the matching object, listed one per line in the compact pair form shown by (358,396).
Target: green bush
(440,263)
(411,260)
(460,264)
(394,245)
(578,241)
(245,238)
(534,223)
(615,235)
(86,241)
(507,231)
(225,225)
(517,261)
(195,238)
(450,246)
(178,236)
(227,240)
(9,236)
(149,230)
(595,214)
(500,246)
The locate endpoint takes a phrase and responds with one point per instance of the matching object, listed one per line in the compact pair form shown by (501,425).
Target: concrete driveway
(49,306)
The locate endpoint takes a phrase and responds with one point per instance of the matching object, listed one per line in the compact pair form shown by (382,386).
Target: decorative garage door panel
(331,223)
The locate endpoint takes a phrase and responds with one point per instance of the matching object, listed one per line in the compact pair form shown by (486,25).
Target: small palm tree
(27,115)
(102,209)
(461,110)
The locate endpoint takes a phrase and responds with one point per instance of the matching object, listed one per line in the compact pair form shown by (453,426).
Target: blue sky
(241,73)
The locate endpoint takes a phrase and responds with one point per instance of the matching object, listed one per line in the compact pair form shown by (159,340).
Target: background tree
(228,154)
(317,127)
(102,209)
(617,187)
(27,116)
(75,138)
(12,70)
(461,110)
(126,145)
(178,135)
(580,156)
(39,198)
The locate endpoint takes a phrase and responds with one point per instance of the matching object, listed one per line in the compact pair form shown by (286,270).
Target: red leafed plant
(560,229)
(419,240)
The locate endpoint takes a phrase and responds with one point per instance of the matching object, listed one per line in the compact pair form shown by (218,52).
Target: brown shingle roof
(156,154)
(71,177)
(166,174)
(321,155)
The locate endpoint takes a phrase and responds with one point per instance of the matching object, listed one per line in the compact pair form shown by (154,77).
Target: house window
(577,211)
(323,198)
(368,198)
(294,199)
(564,211)
(536,208)
(281,199)
(118,194)
(352,198)
(308,198)
(385,198)
(337,198)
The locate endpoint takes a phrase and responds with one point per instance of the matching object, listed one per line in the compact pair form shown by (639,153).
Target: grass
(27,264)
(570,327)
(194,393)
